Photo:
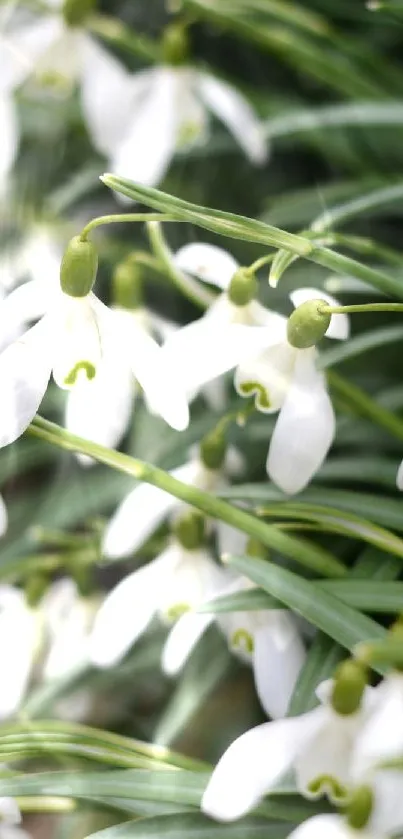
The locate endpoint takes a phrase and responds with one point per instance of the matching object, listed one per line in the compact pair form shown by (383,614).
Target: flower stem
(122,217)
(259,263)
(361,307)
(309,555)
(192,289)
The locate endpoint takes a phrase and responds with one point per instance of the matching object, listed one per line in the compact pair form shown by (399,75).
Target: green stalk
(308,555)
(194,291)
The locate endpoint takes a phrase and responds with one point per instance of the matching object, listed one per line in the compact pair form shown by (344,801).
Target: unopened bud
(189,530)
(242,288)
(359,807)
(75,12)
(79,267)
(175,44)
(350,681)
(308,324)
(213,449)
(127,285)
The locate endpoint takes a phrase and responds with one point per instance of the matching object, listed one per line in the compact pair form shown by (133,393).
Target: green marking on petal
(54,81)
(242,640)
(188,134)
(327,784)
(86,367)
(257,390)
(175,612)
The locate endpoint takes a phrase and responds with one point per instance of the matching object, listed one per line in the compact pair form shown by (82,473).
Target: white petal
(195,578)
(325,827)
(76,347)
(61,61)
(193,127)
(9,137)
(278,656)
(182,639)
(24,376)
(252,765)
(149,143)
(339,326)
(67,621)
(381,738)
(127,610)
(26,303)
(9,811)
(109,95)
(328,755)
(267,377)
(140,513)
(22,48)
(237,114)
(17,622)
(100,410)
(205,349)
(399,477)
(304,430)
(3,517)
(387,815)
(162,389)
(207,262)
(231,541)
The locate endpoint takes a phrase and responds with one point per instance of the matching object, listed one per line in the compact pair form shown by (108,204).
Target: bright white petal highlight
(277,660)
(3,517)
(237,115)
(149,144)
(207,262)
(251,766)
(181,641)
(23,48)
(326,827)
(17,622)
(399,477)
(339,327)
(127,610)
(304,430)
(24,374)
(9,137)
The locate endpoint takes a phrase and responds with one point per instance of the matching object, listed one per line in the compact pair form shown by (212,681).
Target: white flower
(318,745)
(69,341)
(280,377)
(174,582)
(21,624)
(9,137)
(266,640)
(60,55)
(3,517)
(381,738)
(331,827)
(100,409)
(169,112)
(146,506)
(10,820)
(67,619)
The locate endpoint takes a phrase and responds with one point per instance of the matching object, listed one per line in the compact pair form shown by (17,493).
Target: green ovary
(84,366)
(189,133)
(176,611)
(243,640)
(256,389)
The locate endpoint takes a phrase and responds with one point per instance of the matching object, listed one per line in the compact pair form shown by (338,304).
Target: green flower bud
(359,808)
(189,530)
(35,587)
(307,324)
(242,288)
(79,267)
(75,12)
(350,681)
(213,449)
(127,285)
(175,44)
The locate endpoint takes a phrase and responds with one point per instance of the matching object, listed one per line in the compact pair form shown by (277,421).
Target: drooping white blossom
(268,641)
(279,376)
(318,745)
(20,637)
(68,341)
(177,580)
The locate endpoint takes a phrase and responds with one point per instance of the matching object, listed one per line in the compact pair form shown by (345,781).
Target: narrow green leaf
(359,344)
(325,611)
(193,826)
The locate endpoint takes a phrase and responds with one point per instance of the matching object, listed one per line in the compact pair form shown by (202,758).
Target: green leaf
(359,344)
(325,611)
(193,826)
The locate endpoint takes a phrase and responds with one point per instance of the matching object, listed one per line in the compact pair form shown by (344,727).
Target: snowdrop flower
(67,619)
(181,577)
(381,738)
(146,506)
(280,376)
(10,820)
(69,342)
(56,50)
(268,641)
(19,622)
(318,745)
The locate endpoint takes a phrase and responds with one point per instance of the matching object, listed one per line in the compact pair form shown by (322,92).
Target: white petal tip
(399,477)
